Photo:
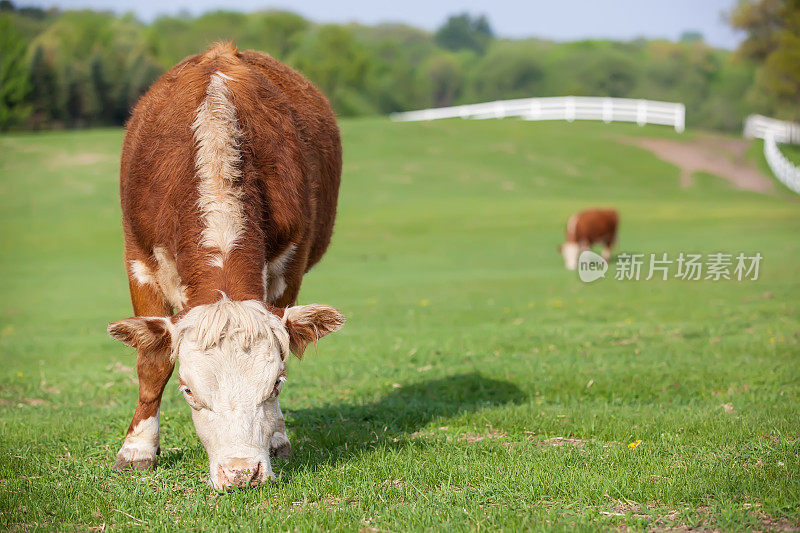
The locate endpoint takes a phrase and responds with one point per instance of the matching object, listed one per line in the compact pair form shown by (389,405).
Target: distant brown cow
(586,228)
(229,182)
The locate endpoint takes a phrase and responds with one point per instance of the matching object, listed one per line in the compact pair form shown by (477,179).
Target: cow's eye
(190,399)
(278,386)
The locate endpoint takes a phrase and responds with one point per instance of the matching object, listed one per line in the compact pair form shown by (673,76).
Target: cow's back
(289,155)
(320,137)
(593,225)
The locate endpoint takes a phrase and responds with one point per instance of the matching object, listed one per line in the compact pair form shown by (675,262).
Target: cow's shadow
(335,433)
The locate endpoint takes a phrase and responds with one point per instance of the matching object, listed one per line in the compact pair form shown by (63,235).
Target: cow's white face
(231,368)
(231,357)
(570,252)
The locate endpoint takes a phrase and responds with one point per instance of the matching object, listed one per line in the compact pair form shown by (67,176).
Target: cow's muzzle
(240,473)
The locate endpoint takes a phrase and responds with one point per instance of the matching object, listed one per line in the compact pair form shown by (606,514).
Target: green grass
(792,153)
(468,347)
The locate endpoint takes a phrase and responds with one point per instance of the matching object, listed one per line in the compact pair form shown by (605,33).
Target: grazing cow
(587,228)
(229,181)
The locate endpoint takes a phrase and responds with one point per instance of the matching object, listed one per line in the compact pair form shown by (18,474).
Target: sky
(561,20)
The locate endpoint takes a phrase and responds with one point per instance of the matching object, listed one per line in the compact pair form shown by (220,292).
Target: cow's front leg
(280,446)
(141,444)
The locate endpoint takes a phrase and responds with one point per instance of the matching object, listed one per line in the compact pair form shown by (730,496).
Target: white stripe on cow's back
(217,157)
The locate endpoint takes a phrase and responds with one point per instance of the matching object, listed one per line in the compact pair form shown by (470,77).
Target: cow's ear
(309,323)
(146,334)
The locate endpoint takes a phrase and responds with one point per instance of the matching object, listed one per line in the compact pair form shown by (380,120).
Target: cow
(229,181)
(586,228)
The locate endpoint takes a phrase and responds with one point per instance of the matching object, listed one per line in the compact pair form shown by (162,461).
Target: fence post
(608,110)
(794,133)
(535,110)
(569,109)
(641,112)
(680,117)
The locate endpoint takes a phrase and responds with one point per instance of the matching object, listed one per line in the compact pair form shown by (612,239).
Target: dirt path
(716,155)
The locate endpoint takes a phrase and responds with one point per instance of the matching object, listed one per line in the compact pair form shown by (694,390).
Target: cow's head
(232,357)
(570,252)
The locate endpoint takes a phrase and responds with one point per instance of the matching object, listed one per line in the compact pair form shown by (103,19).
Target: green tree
(277,32)
(98,91)
(142,72)
(71,95)
(444,73)
(395,81)
(691,36)
(464,31)
(90,67)
(610,72)
(14,83)
(510,69)
(44,94)
(339,65)
(86,68)
(773,40)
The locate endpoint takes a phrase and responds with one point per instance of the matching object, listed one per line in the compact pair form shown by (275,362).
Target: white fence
(757,127)
(783,169)
(773,132)
(567,108)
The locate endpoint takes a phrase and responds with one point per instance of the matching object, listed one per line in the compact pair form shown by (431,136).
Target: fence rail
(757,127)
(775,131)
(567,108)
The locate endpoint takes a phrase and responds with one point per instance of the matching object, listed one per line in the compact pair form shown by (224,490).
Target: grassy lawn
(476,385)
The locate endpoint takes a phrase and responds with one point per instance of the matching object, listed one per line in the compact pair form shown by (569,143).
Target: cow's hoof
(137,464)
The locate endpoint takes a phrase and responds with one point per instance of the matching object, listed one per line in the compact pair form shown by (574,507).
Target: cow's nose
(240,473)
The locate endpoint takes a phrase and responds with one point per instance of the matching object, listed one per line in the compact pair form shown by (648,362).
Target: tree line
(67,69)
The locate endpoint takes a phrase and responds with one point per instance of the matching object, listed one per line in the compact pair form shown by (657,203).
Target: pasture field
(477,384)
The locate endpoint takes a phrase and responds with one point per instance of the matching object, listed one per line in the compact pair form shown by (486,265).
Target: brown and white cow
(587,228)
(229,182)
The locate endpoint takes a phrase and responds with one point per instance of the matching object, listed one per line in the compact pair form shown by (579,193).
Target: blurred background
(476,375)
(64,66)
